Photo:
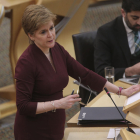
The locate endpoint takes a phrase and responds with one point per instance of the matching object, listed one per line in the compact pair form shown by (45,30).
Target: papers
(115,131)
(133,98)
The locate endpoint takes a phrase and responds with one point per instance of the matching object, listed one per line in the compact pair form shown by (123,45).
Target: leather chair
(84,51)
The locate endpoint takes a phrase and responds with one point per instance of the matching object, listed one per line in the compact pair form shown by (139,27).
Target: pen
(72,92)
(139,81)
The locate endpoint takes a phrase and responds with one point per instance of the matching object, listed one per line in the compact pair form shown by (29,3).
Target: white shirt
(130,37)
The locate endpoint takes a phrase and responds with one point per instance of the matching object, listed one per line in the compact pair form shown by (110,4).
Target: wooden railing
(2,12)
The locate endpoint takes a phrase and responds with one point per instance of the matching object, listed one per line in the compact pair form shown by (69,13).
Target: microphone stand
(128,128)
(81,85)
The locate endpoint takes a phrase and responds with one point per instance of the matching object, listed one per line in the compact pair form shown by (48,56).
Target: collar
(128,30)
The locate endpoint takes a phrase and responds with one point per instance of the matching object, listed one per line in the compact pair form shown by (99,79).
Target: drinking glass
(109,74)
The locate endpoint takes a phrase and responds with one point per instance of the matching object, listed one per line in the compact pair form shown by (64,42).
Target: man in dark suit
(115,42)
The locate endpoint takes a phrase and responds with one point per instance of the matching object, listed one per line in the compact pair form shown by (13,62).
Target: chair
(84,51)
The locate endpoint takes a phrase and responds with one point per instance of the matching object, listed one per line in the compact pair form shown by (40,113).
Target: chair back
(84,51)
(2,12)
(84,48)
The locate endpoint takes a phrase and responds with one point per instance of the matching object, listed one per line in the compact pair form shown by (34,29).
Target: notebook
(100,114)
(131,80)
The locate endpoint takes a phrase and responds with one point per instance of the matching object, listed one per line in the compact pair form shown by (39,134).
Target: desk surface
(102,100)
(98,133)
(88,133)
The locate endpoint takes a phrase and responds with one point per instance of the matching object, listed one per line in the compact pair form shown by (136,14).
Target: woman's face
(44,37)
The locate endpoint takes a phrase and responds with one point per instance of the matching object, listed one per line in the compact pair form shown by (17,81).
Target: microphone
(128,128)
(81,85)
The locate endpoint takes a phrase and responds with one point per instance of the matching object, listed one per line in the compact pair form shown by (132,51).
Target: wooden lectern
(132,108)
(126,135)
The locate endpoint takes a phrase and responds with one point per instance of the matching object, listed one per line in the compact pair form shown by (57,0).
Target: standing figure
(41,74)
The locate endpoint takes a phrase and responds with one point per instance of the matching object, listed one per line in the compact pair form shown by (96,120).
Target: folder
(100,114)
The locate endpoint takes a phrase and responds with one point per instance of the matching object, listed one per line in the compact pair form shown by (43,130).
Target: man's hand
(134,70)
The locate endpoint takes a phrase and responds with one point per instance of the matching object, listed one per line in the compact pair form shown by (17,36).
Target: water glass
(109,74)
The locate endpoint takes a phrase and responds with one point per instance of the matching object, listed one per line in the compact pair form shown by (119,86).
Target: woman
(41,75)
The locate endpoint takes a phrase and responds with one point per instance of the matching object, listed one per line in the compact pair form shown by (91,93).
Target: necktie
(137,43)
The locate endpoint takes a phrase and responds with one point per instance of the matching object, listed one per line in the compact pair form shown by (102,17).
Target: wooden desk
(98,133)
(102,100)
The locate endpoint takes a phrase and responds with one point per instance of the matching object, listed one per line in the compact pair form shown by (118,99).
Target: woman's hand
(130,90)
(67,102)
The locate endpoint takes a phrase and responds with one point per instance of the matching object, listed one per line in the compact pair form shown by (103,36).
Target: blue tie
(137,43)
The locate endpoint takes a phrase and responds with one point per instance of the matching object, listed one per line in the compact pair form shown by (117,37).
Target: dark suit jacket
(112,49)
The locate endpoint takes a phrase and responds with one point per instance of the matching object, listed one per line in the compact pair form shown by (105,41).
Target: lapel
(122,39)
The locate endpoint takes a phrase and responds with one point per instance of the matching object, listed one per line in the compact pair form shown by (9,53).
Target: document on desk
(133,98)
(115,131)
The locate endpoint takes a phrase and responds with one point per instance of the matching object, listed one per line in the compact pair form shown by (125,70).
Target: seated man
(117,42)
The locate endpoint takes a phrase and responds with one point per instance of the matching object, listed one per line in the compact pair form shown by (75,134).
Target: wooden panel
(59,7)
(2,12)
(131,106)
(17,13)
(99,133)
(7,108)
(128,135)
(134,116)
(10,4)
(105,101)
(8,92)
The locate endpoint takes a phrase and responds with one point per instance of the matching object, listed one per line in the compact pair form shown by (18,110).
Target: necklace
(48,55)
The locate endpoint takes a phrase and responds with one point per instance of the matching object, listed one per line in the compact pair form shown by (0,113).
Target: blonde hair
(34,17)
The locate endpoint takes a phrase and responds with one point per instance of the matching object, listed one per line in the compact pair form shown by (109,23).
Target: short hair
(34,17)
(131,5)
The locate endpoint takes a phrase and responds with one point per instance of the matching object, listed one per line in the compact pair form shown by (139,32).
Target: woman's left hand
(129,91)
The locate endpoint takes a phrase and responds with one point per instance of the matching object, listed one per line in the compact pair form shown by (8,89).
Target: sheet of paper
(112,132)
(133,98)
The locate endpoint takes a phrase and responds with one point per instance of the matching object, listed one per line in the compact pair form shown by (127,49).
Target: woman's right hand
(67,102)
